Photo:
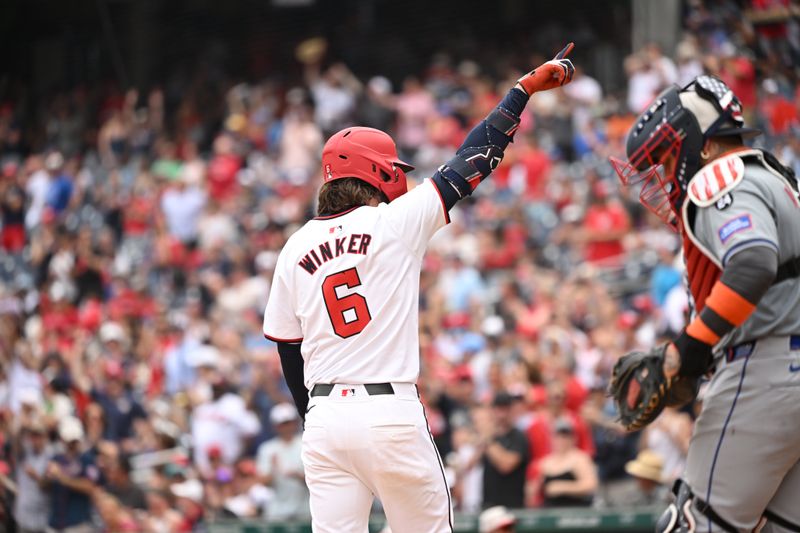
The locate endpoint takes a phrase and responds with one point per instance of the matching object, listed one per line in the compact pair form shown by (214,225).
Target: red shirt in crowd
(140,214)
(537,166)
(130,303)
(609,218)
(781,113)
(540,435)
(739,74)
(222,172)
(59,319)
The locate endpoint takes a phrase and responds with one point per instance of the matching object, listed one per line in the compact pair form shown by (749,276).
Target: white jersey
(347,287)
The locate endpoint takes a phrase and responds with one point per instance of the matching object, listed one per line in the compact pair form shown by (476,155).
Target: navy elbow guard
(466,170)
(481,152)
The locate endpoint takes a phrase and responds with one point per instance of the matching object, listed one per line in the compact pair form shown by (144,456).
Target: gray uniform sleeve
(740,220)
(760,216)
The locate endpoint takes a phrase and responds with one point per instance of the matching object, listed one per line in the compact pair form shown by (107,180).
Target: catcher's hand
(641,390)
(555,73)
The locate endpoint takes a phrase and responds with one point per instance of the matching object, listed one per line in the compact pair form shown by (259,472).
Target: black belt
(373,389)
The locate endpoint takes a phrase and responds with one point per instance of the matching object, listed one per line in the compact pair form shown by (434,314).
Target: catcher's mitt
(641,390)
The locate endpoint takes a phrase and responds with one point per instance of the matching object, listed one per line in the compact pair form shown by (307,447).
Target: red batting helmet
(366,154)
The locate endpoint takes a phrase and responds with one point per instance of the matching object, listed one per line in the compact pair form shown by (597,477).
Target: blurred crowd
(140,231)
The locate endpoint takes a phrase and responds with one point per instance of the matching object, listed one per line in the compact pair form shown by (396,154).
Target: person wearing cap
(737,211)
(453,403)
(71,477)
(32,504)
(30,401)
(115,340)
(505,456)
(280,466)
(647,469)
(496,519)
(121,410)
(60,190)
(559,396)
(567,475)
(189,501)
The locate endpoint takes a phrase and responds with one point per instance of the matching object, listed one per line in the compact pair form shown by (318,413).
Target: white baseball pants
(358,446)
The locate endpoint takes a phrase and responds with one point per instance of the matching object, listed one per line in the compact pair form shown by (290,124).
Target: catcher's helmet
(366,154)
(676,126)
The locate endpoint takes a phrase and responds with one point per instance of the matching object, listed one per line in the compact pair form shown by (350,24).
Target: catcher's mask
(366,154)
(663,146)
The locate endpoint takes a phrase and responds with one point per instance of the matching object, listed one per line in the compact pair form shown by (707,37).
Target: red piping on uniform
(276,339)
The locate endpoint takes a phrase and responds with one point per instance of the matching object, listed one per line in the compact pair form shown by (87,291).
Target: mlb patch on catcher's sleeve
(735,225)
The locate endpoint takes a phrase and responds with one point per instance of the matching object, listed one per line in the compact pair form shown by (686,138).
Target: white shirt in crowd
(643,86)
(688,71)
(248,294)
(667,69)
(216,230)
(282,461)
(675,307)
(182,209)
(32,504)
(225,423)
(37,187)
(25,385)
(333,104)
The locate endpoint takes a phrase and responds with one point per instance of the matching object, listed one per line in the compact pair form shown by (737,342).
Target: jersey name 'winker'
(357,243)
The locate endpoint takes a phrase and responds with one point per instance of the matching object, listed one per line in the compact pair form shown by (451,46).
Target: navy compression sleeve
(481,151)
(292,365)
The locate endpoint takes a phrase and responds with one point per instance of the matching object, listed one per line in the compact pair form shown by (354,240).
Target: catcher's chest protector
(701,272)
(711,183)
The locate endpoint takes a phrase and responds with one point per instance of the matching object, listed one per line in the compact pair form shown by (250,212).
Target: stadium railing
(638,520)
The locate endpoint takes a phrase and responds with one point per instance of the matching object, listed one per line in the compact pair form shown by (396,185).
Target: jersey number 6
(349,314)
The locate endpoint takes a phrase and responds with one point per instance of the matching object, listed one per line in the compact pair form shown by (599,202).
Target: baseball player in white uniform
(344,311)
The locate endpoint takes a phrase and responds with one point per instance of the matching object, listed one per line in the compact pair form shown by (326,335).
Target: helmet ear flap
(386,177)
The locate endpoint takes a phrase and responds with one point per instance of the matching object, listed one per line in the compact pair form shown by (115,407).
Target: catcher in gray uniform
(738,214)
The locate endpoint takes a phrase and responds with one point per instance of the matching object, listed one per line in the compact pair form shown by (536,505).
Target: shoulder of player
(294,240)
(743,171)
(296,243)
(715,180)
(418,196)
